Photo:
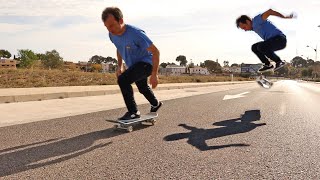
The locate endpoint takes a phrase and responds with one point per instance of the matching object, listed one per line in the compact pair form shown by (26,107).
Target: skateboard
(128,124)
(262,80)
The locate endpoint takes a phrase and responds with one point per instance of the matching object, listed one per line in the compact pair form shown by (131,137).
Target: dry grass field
(23,78)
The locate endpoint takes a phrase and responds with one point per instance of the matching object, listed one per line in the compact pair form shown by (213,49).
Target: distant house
(250,68)
(83,66)
(8,64)
(199,70)
(106,67)
(234,70)
(173,70)
(226,69)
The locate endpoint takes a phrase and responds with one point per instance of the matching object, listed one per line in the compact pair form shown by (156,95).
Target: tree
(310,62)
(225,63)
(213,66)
(52,60)
(307,72)
(40,56)
(4,53)
(182,59)
(316,69)
(298,62)
(163,65)
(191,65)
(235,65)
(111,60)
(283,71)
(97,59)
(26,58)
(97,67)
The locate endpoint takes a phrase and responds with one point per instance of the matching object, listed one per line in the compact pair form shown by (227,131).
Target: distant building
(106,67)
(173,70)
(226,69)
(234,70)
(250,68)
(83,66)
(8,64)
(199,70)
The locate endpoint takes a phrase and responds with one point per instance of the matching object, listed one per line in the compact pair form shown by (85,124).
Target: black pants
(137,73)
(266,49)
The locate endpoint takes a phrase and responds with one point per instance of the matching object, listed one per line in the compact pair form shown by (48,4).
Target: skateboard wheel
(130,129)
(116,126)
(153,122)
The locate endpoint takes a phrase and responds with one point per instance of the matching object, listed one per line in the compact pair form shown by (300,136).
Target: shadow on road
(39,154)
(197,136)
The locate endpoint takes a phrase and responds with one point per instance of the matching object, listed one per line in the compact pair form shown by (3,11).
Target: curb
(63,95)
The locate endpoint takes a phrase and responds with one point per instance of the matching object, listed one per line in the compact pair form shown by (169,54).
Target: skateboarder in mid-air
(274,39)
(141,57)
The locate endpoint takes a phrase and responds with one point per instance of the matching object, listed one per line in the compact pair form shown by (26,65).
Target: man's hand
(119,72)
(292,15)
(154,81)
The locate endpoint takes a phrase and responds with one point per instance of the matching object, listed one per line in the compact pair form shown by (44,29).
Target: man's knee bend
(261,48)
(122,81)
(254,48)
(143,90)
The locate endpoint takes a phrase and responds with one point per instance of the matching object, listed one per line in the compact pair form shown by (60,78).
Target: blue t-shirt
(132,45)
(264,28)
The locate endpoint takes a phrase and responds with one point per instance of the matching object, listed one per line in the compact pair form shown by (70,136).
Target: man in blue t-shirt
(141,58)
(274,39)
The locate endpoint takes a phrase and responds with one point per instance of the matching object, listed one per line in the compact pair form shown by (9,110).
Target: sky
(200,30)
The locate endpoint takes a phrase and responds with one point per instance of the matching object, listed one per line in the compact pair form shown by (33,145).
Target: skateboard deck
(128,124)
(264,82)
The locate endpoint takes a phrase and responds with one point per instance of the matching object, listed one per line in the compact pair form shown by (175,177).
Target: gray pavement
(257,134)
(31,111)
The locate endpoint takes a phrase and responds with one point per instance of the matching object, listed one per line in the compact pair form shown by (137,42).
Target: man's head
(244,22)
(112,18)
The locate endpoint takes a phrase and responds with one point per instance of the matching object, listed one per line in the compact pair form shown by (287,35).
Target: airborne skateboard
(128,124)
(262,80)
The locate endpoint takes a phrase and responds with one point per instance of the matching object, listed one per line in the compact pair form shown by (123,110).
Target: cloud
(49,7)
(9,29)
(202,29)
(45,20)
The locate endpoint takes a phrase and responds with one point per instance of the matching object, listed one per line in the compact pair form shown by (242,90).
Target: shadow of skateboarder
(197,136)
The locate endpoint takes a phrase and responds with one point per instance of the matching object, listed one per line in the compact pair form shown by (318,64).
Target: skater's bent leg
(145,89)
(272,45)
(255,48)
(135,73)
(127,93)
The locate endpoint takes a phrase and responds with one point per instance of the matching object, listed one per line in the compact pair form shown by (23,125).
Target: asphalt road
(254,134)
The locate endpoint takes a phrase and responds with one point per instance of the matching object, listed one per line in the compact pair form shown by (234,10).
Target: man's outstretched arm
(271,12)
